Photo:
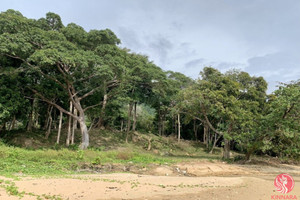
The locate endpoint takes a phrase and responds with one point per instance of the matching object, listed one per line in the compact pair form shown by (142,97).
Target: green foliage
(46,63)
(282,122)
(232,103)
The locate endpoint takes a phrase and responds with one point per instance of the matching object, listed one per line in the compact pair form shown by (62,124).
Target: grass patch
(106,147)
(17,161)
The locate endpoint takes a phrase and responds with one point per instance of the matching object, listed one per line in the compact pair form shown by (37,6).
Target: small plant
(97,161)
(74,147)
(80,154)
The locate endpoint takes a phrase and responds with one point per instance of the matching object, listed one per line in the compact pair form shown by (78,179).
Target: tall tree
(48,53)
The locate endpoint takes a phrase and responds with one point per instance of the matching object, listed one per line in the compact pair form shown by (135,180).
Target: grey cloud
(129,38)
(161,46)
(275,68)
(275,61)
(194,63)
(225,66)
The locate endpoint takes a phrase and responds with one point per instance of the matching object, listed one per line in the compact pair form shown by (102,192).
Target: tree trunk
(36,119)
(32,115)
(47,118)
(216,139)
(69,125)
(175,125)
(195,130)
(122,124)
(129,116)
(59,126)
(30,122)
(3,127)
(129,120)
(12,124)
(163,125)
(49,128)
(74,127)
(248,155)
(55,119)
(84,131)
(100,123)
(178,127)
(226,149)
(134,117)
(205,130)
(159,126)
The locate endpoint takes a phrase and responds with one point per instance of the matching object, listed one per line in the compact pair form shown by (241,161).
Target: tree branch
(98,104)
(54,104)
(287,111)
(208,122)
(89,93)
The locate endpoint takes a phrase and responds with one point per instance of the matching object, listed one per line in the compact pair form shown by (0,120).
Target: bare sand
(185,181)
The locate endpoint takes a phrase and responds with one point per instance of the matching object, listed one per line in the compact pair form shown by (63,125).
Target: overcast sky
(261,37)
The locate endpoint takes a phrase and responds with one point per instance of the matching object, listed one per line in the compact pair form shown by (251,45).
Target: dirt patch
(212,169)
(194,180)
(124,186)
(199,168)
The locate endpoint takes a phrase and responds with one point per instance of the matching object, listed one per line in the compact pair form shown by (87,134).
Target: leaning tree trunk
(50,107)
(12,124)
(59,127)
(49,128)
(216,139)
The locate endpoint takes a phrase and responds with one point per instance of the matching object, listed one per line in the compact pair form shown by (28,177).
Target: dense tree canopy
(49,68)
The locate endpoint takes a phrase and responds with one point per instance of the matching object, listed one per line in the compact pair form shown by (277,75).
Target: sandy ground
(196,180)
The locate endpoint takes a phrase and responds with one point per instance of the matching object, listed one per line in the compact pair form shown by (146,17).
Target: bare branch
(89,93)
(208,122)
(98,104)
(87,78)
(112,83)
(54,104)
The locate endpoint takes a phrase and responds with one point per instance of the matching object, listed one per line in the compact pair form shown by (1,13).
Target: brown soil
(193,180)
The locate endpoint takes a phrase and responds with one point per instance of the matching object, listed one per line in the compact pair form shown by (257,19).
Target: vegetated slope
(28,153)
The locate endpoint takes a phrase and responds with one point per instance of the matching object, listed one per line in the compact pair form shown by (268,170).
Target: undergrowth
(112,148)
